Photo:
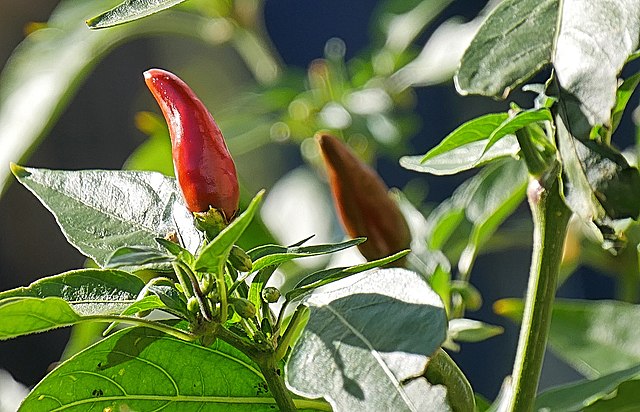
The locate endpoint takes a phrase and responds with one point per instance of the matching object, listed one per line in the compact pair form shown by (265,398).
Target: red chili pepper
(362,201)
(204,168)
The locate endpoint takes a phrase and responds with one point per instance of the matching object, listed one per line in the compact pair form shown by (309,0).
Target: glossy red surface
(204,168)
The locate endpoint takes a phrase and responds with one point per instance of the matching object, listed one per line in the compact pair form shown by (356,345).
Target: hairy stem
(550,220)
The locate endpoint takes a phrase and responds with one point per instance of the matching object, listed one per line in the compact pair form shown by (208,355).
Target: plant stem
(550,220)
(267,363)
(176,333)
(276,384)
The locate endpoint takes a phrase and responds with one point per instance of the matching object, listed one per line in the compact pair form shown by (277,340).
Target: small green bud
(192,305)
(213,296)
(468,293)
(240,260)
(207,283)
(244,308)
(270,294)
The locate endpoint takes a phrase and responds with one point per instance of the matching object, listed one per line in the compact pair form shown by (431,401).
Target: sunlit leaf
(100,211)
(87,291)
(365,336)
(141,369)
(587,47)
(130,10)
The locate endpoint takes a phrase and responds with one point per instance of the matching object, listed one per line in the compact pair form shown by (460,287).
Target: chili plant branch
(550,221)
(265,358)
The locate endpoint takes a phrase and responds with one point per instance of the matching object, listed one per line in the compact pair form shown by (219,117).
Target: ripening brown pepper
(204,168)
(363,202)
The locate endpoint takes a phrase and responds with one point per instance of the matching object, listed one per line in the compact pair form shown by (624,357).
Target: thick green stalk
(550,220)
(273,376)
(267,363)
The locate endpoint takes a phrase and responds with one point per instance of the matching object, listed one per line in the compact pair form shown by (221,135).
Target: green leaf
(326,276)
(627,398)
(365,337)
(623,96)
(469,330)
(147,303)
(577,396)
(140,369)
(100,211)
(442,370)
(588,48)
(270,255)
(463,158)
(469,146)
(517,122)
(525,29)
(130,10)
(31,99)
(22,316)
(496,194)
(213,257)
(460,225)
(592,336)
(474,130)
(87,291)
(137,258)
(173,300)
(599,183)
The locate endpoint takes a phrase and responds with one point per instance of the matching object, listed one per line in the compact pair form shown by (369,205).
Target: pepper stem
(550,218)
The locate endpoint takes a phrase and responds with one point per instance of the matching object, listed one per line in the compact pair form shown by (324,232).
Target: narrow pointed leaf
(130,10)
(365,336)
(213,257)
(326,276)
(270,255)
(100,211)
